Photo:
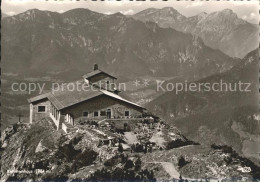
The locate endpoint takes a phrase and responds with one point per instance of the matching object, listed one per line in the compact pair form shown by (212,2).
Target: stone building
(98,102)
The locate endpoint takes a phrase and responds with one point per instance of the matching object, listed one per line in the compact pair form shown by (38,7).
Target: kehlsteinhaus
(70,106)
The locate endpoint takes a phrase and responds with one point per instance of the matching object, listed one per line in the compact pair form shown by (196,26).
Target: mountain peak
(118,14)
(227,16)
(202,15)
(165,13)
(30,14)
(80,11)
(32,11)
(227,11)
(170,10)
(146,12)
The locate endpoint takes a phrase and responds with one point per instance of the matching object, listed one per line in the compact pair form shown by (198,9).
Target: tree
(120,148)
(129,164)
(138,163)
(180,180)
(182,162)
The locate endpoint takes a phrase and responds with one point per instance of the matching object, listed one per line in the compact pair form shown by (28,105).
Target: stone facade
(101,77)
(101,105)
(103,81)
(36,115)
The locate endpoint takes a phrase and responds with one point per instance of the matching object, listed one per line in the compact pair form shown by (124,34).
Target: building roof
(64,98)
(39,97)
(119,98)
(96,72)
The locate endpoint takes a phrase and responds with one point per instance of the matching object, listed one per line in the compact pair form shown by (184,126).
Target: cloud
(244,3)
(10,13)
(244,17)
(108,13)
(127,12)
(251,18)
(252,15)
(195,4)
(114,3)
(16,2)
(22,2)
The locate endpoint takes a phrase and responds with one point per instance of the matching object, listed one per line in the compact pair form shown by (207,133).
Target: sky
(247,10)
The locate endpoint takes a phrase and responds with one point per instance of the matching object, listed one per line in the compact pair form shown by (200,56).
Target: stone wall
(101,77)
(101,80)
(100,103)
(36,116)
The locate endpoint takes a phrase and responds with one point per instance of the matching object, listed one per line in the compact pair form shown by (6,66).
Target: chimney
(95,67)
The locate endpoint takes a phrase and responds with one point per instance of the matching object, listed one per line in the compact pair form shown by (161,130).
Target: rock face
(42,149)
(221,30)
(201,162)
(213,117)
(39,152)
(42,42)
(53,155)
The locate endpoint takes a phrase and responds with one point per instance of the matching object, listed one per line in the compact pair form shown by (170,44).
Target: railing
(56,122)
(64,127)
(128,119)
(120,119)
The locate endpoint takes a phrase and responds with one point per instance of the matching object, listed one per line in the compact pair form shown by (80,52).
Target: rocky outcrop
(53,155)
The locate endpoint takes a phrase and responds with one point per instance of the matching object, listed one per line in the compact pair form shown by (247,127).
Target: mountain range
(227,117)
(41,42)
(222,30)
(3,15)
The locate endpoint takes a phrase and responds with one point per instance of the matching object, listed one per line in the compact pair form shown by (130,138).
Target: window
(127,113)
(109,113)
(107,86)
(85,114)
(96,114)
(41,108)
(103,113)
